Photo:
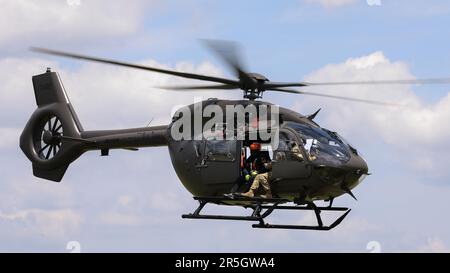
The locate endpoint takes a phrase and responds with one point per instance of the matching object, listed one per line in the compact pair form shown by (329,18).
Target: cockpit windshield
(322,145)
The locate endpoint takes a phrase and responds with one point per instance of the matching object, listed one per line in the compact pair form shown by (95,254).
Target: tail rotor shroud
(48,140)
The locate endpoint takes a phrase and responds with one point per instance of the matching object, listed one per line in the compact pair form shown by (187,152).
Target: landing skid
(262,208)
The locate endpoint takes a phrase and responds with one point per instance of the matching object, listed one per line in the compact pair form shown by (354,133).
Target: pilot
(261,171)
(295,151)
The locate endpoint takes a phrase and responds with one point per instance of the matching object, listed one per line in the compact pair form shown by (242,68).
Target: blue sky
(133,201)
(290,39)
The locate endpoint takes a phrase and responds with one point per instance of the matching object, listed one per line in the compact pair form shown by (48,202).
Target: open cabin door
(221,161)
(289,158)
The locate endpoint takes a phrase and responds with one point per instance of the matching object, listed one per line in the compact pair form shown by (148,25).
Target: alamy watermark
(203,120)
(374,247)
(73,246)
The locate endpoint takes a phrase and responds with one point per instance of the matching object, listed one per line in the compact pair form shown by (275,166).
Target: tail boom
(53,136)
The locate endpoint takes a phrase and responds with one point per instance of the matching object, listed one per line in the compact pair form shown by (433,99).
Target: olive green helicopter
(323,166)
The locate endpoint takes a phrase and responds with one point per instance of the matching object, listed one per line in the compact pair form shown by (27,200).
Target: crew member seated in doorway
(260,172)
(254,163)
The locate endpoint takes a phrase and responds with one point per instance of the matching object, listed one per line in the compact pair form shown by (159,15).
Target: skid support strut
(264,207)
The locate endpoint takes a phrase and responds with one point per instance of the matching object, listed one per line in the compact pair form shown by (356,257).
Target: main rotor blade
(334,97)
(411,81)
(229,52)
(200,87)
(270,85)
(148,68)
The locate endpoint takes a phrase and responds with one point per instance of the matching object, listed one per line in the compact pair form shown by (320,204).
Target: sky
(133,201)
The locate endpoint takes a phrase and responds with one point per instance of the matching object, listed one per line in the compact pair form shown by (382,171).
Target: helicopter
(211,167)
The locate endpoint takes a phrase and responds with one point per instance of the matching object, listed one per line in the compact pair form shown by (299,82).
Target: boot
(268,195)
(253,188)
(250,193)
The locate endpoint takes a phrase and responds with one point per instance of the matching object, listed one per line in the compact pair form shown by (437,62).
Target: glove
(247,177)
(254,173)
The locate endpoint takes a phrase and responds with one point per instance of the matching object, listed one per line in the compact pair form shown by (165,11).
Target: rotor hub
(51,138)
(255,88)
(252,94)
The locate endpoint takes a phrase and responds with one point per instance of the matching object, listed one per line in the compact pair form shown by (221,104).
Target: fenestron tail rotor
(253,84)
(48,137)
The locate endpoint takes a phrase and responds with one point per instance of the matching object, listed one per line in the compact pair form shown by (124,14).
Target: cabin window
(220,150)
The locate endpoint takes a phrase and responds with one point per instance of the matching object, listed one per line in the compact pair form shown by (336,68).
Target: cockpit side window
(288,148)
(321,144)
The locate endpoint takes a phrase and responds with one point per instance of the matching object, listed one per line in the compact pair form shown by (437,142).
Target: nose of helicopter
(357,170)
(357,163)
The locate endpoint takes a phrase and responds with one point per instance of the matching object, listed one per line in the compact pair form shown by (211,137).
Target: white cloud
(120,219)
(59,22)
(16,94)
(355,228)
(332,3)
(52,224)
(9,137)
(434,244)
(165,201)
(125,200)
(19,191)
(416,131)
